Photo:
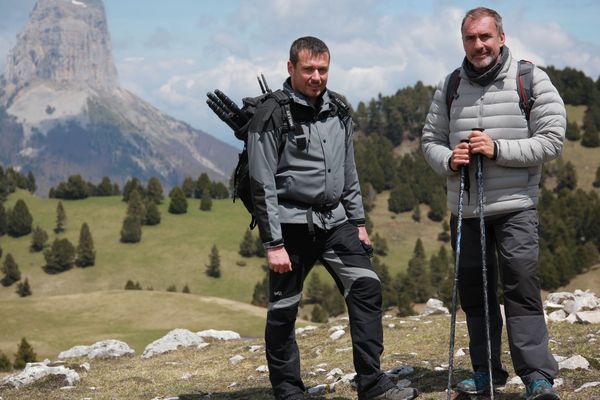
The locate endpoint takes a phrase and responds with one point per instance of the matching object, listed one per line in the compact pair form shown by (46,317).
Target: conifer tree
(154,191)
(152,214)
(260,296)
(23,288)
(438,267)
(5,364)
(416,215)
(213,268)
(247,245)
(19,220)
(202,183)
(135,206)
(38,239)
(188,186)
(591,137)
(402,198)
(318,314)
(61,218)
(572,132)
(259,248)
(206,201)
(172,288)
(86,255)
(566,177)
(178,203)
(31,185)
(404,299)
(11,271)
(418,273)
(334,302)
(314,290)
(444,235)
(130,186)
(131,231)
(105,187)
(380,246)
(387,286)
(25,354)
(4,220)
(437,204)
(60,256)
(185,289)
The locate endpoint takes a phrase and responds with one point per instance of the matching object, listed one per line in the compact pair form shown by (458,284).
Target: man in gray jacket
(308,207)
(513,151)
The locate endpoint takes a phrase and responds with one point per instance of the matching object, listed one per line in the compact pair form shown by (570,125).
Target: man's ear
(290,67)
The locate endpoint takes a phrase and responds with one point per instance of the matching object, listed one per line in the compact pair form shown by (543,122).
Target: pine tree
(206,201)
(202,183)
(213,268)
(591,137)
(152,214)
(4,218)
(131,231)
(334,301)
(188,187)
(438,267)
(172,288)
(260,295)
(314,290)
(185,289)
(130,186)
(178,203)
(61,218)
(319,314)
(380,246)
(31,186)
(23,288)
(154,191)
(129,285)
(59,257)
(596,184)
(416,215)
(38,239)
(566,177)
(19,220)
(401,199)
(11,271)
(25,354)
(419,274)
(5,364)
(105,187)
(444,235)
(247,245)
(437,204)
(572,132)
(86,255)
(259,248)
(403,290)
(135,206)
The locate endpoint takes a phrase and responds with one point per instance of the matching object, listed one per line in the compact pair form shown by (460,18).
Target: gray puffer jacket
(511,181)
(287,179)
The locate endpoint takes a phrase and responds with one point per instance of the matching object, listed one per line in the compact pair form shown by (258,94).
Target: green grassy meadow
(81,306)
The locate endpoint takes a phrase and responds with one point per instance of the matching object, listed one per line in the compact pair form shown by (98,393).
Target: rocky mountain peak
(65,42)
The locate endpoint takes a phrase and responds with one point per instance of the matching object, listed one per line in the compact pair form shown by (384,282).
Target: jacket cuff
(273,243)
(495,156)
(450,165)
(357,222)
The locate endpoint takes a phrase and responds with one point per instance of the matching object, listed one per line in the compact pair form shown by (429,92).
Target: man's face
(481,42)
(309,75)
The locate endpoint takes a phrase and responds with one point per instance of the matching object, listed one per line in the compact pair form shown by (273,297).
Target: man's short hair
(312,44)
(480,12)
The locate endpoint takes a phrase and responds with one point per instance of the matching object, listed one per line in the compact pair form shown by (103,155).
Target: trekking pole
(484,269)
(461,195)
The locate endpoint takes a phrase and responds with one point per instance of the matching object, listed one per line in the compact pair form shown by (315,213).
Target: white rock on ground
(36,371)
(574,362)
(104,349)
(307,328)
(172,341)
(587,385)
(434,307)
(236,359)
(221,335)
(336,335)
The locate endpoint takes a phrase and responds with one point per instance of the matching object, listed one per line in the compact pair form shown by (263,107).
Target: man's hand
(279,260)
(363,236)
(460,156)
(481,143)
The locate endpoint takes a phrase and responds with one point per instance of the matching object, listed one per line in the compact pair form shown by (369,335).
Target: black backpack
(239,120)
(524,87)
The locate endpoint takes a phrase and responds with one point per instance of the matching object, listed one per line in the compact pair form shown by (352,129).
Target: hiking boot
(395,393)
(540,389)
(479,383)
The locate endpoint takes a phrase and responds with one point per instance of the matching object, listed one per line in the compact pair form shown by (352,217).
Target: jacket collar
(323,103)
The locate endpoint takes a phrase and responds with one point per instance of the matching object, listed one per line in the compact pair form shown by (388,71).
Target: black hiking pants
(511,251)
(343,255)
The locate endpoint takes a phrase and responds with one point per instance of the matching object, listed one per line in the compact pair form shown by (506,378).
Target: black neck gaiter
(487,77)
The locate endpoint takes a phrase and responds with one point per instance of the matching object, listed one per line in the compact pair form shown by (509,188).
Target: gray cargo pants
(511,250)
(345,259)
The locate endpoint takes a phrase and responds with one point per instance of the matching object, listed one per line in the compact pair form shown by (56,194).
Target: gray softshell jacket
(511,181)
(286,179)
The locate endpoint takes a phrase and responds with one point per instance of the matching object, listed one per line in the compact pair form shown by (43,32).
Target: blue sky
(172,52)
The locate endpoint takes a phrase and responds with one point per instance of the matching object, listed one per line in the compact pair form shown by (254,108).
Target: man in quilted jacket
(486,120)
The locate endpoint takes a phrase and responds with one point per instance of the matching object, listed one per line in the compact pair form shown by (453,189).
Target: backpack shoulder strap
(452,89)
(525,86)
(342,108)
